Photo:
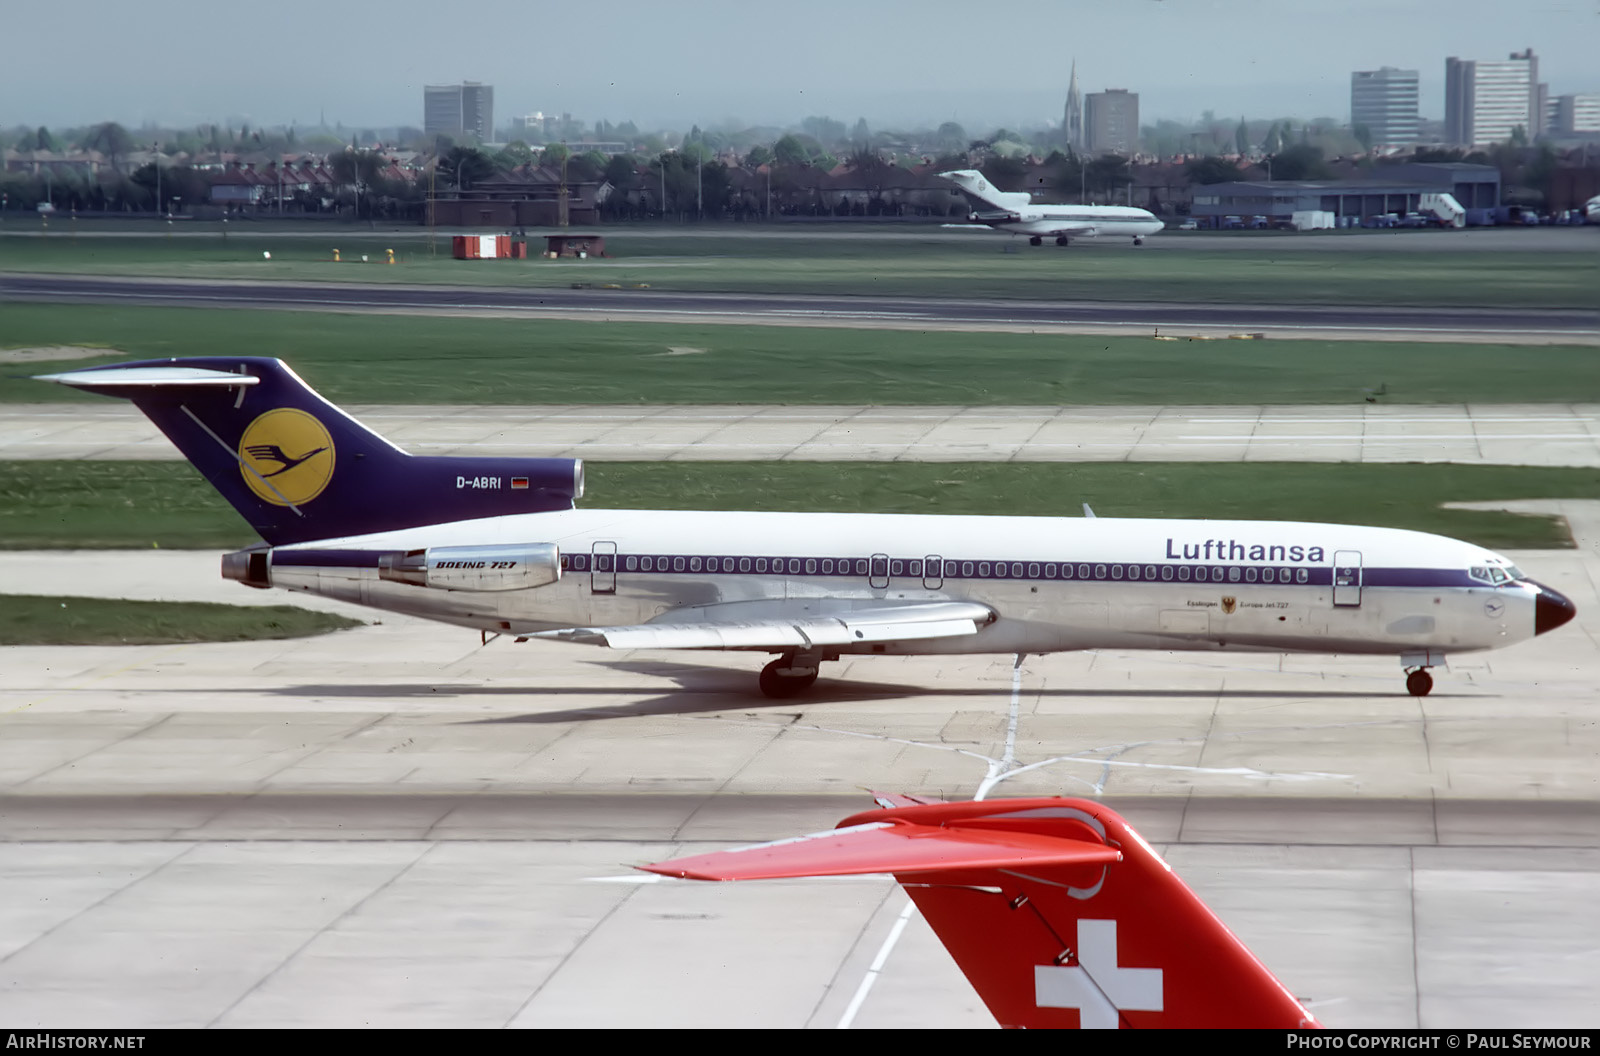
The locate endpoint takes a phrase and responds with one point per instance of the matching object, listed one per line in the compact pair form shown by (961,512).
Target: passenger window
(1033,571)
(811,566)
(677,564)
(1149,571)
(915,569)
(712,564)
(1183,573)
(744,564)
(580,562)
(983,570)
(761,564)
(694,564)
(1133,571)
(1302,576)
(1099,571)
(1166,572)
(1083,571)
(1233,573)
(1216,574)
(630,563)
(1016,570)
(897,568)
(1283,575)
(827,566)
(1050,571)
(1268,575)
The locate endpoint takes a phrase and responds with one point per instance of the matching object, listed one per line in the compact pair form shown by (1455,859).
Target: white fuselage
(1054,583)
(1083,221)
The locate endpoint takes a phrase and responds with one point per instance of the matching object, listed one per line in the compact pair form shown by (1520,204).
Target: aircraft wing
(794,623)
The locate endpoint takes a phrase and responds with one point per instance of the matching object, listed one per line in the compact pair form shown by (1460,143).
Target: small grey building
(1387,189)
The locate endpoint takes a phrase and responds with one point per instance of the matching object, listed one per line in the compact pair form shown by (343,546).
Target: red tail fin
(1057,911)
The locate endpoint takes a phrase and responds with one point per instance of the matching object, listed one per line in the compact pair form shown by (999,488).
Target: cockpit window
(1514,572)
(1498,575)
(1479,572)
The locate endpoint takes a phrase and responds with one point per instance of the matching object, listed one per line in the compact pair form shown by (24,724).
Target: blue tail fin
(299,469)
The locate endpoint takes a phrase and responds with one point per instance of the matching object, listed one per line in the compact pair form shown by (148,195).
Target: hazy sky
(667,63)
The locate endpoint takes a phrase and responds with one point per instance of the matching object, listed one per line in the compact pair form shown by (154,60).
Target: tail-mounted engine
(476,568)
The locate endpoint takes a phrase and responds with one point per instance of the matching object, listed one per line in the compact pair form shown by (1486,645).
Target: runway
(1510,434)
(1366,322)
(399,826)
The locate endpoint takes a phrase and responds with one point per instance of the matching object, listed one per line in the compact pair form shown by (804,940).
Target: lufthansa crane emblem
(286,456)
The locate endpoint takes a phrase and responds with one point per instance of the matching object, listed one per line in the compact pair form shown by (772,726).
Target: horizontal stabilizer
(895,847)
(137,377)
(791,624)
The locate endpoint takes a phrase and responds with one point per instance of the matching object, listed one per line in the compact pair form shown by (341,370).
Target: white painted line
(877,966)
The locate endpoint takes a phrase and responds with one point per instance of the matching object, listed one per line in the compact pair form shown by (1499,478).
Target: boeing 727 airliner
(1015,211)
(498,544)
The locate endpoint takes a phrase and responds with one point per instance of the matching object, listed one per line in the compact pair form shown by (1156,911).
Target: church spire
(1072,119)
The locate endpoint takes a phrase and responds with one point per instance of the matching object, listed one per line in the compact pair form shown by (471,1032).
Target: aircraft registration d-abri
(1056,910)
(1014,211)
(498,545)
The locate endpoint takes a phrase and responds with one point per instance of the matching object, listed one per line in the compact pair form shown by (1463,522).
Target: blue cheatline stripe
(1182,574)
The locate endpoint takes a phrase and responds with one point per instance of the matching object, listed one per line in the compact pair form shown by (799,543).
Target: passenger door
(1347,578)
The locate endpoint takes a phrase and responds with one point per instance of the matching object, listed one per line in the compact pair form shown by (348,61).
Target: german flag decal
(519,482)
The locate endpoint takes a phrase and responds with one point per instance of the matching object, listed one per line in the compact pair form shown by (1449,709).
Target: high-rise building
(1484,102)
(1111,122)
(1385,101)
(1072,119)
(459,109)
(1575,115)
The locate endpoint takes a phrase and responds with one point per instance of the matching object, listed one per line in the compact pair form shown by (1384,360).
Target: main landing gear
(789,675)
(1138,240)
(1035,240)
(1061,240)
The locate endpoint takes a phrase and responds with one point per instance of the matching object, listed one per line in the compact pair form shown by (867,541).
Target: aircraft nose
(1551,610)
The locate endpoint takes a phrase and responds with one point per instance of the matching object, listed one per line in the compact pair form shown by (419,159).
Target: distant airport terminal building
(1394,189)
(1385,101)
(459,109)
(1111,122)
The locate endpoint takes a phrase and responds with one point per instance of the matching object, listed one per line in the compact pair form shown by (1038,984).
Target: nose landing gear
(1138,240)
(1418,682)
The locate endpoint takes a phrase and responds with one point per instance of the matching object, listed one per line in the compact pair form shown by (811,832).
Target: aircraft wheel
(1061,240)
(778,684)
(1419,683)
(1138,241)
(1035,240)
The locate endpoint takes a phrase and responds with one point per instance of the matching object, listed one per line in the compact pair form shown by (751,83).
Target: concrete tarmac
(1503,434)
(400,826)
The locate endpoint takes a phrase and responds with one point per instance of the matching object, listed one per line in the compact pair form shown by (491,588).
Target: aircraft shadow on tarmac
(710,689)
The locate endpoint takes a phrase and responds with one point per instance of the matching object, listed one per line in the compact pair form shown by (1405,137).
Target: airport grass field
(372,358)
(33,619)
(902,261)
(86,504)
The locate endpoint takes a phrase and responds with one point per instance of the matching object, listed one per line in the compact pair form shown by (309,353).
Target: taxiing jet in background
(1014,211)
(498,545)
(1057,911)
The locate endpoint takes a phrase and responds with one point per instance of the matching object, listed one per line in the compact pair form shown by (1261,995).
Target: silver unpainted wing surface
(793,624)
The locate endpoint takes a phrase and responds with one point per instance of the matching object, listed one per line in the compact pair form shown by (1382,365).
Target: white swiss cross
(1095,986)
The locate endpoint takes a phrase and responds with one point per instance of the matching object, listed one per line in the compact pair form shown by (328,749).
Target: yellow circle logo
(286,457)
